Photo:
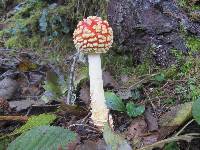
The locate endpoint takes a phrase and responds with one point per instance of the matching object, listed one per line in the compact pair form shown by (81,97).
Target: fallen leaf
(196,110)
(170,146)
(26,63)
(46,137)
(35,121)
(31,90)
(137,128)
(160,144)
(152,122)
(174,118)
(35,78)
(150,139)
(8,87)
(4,106)
(24,104)
(108,80)
(165,131)
(54,84)
(92,145)
(114,102)
(134,110)
(124,93)
(73,109)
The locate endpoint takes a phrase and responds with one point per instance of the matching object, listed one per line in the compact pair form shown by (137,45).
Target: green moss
(193,43)
(171,72)
(19,41)
(60,23)
(188,5)
(12,42)
(142,69)
(1,33)
(124,65)
(35,41)
(183,3)
(118,64)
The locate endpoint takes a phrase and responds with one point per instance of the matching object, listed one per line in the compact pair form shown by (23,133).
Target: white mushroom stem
(98,105)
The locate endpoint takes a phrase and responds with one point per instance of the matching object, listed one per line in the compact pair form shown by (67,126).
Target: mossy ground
(39,25)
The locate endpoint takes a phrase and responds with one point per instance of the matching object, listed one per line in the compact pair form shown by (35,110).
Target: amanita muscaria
(94,36)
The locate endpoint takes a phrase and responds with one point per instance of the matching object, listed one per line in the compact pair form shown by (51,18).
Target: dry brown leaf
(24,104)
(152,122)
(124,93)
(73,109)
(92,145)
(137,128)
(150,139)
(26,63)
(4,106)
(8,87)
(108,80)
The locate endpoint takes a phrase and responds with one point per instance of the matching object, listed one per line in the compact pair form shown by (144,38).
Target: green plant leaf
(55,86)
(171,146)
(114,102)
(34,121)
(114,141)
(196,110)
(135,94)
(160,77)
(134,110)
(44,138)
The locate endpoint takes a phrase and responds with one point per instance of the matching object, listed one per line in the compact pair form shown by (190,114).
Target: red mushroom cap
(93,35)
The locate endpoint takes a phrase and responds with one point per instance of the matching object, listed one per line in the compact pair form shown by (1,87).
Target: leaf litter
(25,87)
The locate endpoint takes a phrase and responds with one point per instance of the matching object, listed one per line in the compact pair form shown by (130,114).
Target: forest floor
(29,87)
(47,85)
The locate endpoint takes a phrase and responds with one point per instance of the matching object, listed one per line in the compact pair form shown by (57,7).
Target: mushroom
(94,36)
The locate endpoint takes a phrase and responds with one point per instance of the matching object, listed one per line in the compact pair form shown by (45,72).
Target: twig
(142,80)
(186,137)
(6,49)
(14,118)
(86,117)
(180,131)
(71,80)
(85,125)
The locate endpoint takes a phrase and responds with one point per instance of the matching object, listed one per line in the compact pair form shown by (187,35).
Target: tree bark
(150,29)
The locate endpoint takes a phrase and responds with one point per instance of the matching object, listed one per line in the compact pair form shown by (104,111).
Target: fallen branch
(181,130)
(160,144)
(14,118)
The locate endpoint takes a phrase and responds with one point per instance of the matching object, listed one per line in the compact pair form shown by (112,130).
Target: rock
(150,28)
(8,87)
